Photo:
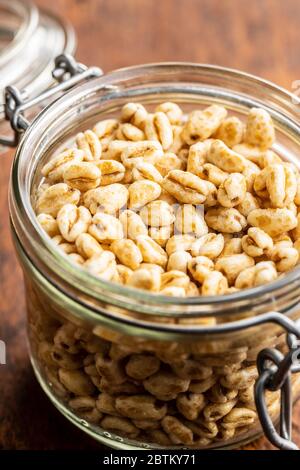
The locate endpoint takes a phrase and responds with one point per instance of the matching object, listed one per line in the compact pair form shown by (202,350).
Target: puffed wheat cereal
(112,171)
(73,221)
(158,127)
(178,205)
(202,124)
(89,143)
(54,169)
(172,111)
(55,197)
(186,187)
(82,176)
(109,199)
(259,129)
(231,131)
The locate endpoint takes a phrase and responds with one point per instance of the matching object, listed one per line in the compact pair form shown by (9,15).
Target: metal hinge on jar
(67,73)
(275,372)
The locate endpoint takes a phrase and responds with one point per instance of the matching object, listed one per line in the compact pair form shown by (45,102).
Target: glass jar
(30,39)
(136,370)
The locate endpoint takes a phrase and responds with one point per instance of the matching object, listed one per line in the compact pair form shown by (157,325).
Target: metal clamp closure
(275,374)
(67,73)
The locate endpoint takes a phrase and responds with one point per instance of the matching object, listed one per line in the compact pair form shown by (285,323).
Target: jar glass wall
(128,367)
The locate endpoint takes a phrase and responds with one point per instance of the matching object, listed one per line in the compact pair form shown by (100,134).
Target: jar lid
(30,39)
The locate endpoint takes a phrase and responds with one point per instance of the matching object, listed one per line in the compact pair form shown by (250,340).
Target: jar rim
(22,215)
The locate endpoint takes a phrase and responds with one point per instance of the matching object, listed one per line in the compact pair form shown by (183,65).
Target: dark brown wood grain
(261,37)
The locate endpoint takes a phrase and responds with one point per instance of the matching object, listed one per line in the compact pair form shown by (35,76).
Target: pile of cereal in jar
(178,205)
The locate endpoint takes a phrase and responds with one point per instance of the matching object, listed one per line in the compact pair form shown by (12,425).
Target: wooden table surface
(258,36)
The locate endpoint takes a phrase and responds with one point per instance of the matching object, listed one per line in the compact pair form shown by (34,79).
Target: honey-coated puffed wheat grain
(82,176)
(89,143)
